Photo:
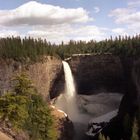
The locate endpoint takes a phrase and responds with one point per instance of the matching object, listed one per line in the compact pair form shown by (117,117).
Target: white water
(69,86)
(70,93)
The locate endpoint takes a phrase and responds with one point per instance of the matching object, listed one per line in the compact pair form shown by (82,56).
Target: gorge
(98,80)
(111,75)
(83,109)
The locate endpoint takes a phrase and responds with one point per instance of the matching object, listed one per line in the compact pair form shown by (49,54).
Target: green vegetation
(102,137)
(26,111)
(21,49)
(127,125)
(135,130)
(34,49)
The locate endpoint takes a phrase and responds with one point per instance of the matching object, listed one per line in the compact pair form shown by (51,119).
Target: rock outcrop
(64,125)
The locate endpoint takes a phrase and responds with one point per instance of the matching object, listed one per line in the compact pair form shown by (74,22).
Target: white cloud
(67,32)
(8,33)
(34,13)
(134,3)
(124,15)
(128,17)
(134,28)
(96,9)
(120,31)
(49,22)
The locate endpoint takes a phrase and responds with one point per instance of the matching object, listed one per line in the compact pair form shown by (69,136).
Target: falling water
(70,86)
(70,92)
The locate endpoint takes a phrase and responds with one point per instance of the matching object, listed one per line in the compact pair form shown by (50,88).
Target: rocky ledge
(64,125)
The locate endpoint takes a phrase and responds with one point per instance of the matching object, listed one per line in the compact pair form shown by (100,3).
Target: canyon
(93,74)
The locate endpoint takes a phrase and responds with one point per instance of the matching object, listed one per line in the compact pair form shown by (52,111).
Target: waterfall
(70,92)
(80,116)
(69,81)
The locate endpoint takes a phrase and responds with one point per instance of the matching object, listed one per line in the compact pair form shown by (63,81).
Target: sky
(64,20)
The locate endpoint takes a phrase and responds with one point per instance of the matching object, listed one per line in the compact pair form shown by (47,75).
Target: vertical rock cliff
(41,73)
(97,73)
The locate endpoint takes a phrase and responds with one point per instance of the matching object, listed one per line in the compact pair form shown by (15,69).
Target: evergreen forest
(33,49)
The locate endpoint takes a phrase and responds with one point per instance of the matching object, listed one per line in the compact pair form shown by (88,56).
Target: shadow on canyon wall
(107,73)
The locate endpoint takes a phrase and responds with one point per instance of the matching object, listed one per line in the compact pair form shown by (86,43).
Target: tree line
(21,49)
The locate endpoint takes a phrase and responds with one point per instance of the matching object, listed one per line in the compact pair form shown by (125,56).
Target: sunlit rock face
(42,73)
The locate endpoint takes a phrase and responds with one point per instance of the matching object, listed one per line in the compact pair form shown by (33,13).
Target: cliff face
(58,85)
(136,78)
(97,73)
(42,73)
(130,102)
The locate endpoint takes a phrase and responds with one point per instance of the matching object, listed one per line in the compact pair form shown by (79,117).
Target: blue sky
(58,20)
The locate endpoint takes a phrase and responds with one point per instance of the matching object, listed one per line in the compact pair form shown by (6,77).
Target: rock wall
(130,104)
(97,73)
(42,73)
(130,101)
(58,85)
